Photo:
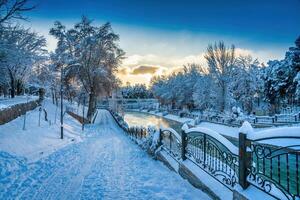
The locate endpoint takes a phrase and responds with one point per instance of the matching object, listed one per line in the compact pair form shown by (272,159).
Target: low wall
(11,113)
(79,118)
(190,176)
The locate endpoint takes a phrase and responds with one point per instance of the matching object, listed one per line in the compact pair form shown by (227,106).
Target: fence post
(160,137)
(183,144)
(243,160)
(204,150)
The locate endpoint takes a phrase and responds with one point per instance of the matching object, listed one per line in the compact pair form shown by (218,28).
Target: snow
(173,163)
(215,135)
(178,119)
(212,183)
(253,192)
(8,102)
(185,127)
(105,165)
(155,139)
(286,132)
(222,129)
(38,141)
(246,128)
(178,137)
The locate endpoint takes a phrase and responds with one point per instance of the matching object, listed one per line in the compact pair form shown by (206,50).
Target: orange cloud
(144,70)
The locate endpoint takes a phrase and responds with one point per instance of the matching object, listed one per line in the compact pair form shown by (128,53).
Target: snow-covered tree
(206,93)
(220,60)
(20,50)
(246,83)
(177,89)
(13,9)
(136,91)
(91,54)
(282,80)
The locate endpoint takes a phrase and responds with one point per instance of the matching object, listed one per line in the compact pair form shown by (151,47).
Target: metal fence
(256,161)
(273,169)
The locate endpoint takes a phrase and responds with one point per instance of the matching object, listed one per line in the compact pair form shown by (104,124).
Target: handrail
(178,137)
(233,149)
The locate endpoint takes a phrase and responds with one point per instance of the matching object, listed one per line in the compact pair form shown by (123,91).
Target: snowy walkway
(106,165)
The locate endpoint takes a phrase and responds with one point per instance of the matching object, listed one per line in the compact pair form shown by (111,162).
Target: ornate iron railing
(214,154)
(171,142)
(275,169)
(259,159)
(137,132)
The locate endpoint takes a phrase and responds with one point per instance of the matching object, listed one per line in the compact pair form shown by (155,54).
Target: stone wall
(11,113)
(79,118)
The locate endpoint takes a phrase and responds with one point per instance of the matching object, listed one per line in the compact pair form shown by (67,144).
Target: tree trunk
(19,87)
(92,106)
(12,88)
(52,92)
(56,98)
(223,97)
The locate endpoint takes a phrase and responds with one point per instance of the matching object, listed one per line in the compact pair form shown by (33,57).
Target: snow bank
(38,141)
(6,103)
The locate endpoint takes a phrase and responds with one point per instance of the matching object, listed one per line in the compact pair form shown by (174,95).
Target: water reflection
(144,119)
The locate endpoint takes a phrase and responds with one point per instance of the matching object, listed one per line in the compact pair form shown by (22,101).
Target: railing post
(183,144)
(204,150)
(243,160)
(160,137)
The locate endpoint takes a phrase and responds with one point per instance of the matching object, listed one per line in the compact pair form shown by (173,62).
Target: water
(145,120)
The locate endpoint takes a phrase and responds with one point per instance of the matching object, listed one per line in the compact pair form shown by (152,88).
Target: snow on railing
(274,161)
(272,167)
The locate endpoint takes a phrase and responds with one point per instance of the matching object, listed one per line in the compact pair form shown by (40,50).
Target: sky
(160,36)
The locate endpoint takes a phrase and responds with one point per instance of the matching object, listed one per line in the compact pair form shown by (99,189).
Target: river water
(145,120)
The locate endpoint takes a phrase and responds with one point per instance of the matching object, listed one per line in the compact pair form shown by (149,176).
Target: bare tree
(220,60)
(13,9)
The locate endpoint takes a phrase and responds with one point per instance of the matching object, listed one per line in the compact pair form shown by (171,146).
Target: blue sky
(167,34)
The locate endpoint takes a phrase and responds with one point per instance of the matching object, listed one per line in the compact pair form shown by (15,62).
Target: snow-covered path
(106,165)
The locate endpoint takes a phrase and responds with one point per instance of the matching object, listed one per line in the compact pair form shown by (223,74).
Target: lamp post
(61,105)
(83,113)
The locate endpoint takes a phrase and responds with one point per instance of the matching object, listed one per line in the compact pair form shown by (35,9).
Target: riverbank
(229,132)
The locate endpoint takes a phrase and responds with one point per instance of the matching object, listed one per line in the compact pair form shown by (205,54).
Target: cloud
(123,71)
(144,70)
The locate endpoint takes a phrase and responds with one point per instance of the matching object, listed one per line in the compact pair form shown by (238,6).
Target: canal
(144,119)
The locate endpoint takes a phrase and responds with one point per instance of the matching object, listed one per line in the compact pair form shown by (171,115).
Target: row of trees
(282,79)
(84,61)
(230,80)
(138,91)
